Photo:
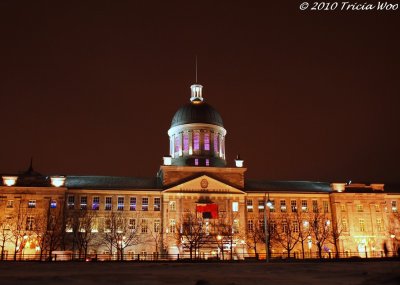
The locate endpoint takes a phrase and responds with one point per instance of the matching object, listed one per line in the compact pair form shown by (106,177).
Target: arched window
(196,141)
(206,141)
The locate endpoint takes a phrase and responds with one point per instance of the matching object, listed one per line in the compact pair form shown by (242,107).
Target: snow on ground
(59,273)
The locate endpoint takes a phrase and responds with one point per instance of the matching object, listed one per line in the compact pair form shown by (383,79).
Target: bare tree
(255,235)
(287,233)
(336,233)
(302,219)
(227,230)
(18,228)
(118,234)
(5,233)
(321,228)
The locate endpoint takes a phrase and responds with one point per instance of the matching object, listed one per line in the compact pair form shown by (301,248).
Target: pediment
(204,184)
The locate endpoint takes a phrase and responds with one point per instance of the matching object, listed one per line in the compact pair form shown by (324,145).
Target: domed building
(196,206)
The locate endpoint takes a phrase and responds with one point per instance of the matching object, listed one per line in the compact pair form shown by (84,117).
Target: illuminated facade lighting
(10,180)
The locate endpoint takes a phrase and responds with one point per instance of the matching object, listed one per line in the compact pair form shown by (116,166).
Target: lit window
(196,161)
(145,204)
(360,208)
(315,206)
(176,143)
(132,204)
(206,141)
(83,203)
(304,206)
(207,162)
(394,206)
(157,226)
(343,207)
(272,208)
(362,225)
(196,141)
(216,142)
(377,208)
(172,206)
(249,205)
(10,204)
(283,206)
(235,206)
(293,206)
(71,202)
(30,222)
(108,205)
(325,205)
(172,226)
(32,204)
(53,204)
(235,226)
(120,204)
(295,226)
(185,141)
(96,203)
(157,204)
(260,205)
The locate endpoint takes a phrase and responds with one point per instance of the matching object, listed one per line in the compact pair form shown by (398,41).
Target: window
(260,206)
(196,141)
(53,204)
(172,206)
(132,204)
(30,222)
(120,204)
(325,206)
(272,208)
(185,141)
(343,207)
(207,162)
(293,206)
(96,203)
(249,205)
(394,206)
(250,225)
(377,208)
(71,202)
(235,226)
(315,206)
(344,225)
(172,225)
(157,204)
(157,226)
(95,225)
(10,204)
(83,203)
(144,226)
(206,141)
(32,204)
(108,205)
(283,206)
(360,208)
(295,226)
(235,206)
(145,204)
(215,142)
(304,206)
(379,224)
(132,224)
(176,143)
(284,227)
(362,225)
(196,161)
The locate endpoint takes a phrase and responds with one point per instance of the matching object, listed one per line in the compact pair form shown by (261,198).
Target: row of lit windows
(108,203)
(31,204)
(206,139)
(293,206)
(360,207)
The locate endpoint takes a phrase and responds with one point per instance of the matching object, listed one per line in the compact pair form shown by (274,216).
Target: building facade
(196,206)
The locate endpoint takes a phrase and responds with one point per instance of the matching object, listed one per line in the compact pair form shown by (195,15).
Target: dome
(197,112)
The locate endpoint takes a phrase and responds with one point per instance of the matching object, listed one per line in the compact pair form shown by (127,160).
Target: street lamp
(267,203)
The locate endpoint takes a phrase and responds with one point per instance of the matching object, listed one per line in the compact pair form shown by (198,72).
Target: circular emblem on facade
(204,183)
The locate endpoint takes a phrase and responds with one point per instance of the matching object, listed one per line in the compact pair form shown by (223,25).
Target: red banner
(208,210)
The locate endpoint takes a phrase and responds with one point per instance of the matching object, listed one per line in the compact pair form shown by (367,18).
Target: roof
(299,186)
(111,182)
(197,113)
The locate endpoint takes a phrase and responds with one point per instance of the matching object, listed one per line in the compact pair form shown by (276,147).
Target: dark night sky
(91,88)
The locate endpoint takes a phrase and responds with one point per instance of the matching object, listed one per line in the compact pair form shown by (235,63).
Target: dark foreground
(383,272)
